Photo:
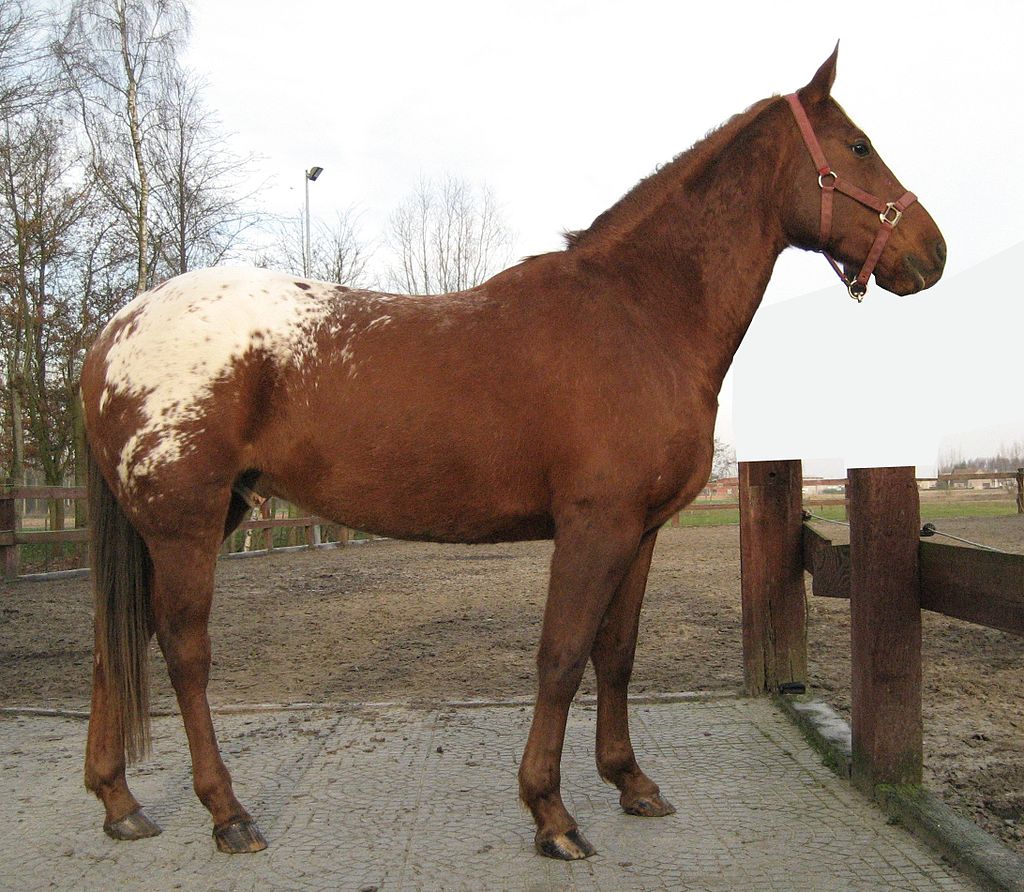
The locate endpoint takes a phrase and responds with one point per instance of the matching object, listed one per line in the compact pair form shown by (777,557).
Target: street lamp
(311,176)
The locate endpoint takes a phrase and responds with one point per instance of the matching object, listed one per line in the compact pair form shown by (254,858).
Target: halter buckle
(890,208)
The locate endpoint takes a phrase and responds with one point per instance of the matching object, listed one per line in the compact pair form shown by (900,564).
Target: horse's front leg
(612,655)
(594,548)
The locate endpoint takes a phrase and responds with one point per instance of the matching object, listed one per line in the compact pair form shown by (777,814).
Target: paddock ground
(426,625)
(383,797)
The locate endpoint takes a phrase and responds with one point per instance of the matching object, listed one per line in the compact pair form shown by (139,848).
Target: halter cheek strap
(889,212)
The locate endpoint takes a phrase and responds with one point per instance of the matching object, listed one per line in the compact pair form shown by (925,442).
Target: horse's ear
(820,87)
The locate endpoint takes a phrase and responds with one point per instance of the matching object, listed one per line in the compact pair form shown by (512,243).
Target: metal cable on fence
(807,515)
(927,530)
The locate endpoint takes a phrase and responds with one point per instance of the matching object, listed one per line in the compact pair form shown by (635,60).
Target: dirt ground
(414,622)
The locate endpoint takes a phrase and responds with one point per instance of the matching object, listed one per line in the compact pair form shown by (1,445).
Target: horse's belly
(433,517)
(410,492)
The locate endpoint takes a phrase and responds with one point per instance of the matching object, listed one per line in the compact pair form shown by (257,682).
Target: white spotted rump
(170,346)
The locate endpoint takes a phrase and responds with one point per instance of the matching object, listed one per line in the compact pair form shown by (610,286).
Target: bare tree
(22,51)
(1008,457)
(125,178)
(724,462)
(115,56)
(337,253)
(200,208)
(22,84)
(45,207)
(446,236)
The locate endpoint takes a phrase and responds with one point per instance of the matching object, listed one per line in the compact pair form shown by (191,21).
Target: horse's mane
(684,167)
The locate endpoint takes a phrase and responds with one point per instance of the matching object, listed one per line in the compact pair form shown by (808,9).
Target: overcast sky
(560,107)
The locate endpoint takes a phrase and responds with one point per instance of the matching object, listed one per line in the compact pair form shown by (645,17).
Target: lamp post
(311,176)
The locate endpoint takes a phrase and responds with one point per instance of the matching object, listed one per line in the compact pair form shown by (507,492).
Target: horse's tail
(121,573)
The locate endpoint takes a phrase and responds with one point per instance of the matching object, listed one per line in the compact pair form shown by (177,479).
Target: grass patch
(939,511)
(930,510)
(695,517)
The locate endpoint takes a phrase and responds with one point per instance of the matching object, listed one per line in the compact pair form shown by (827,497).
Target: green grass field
(931,509)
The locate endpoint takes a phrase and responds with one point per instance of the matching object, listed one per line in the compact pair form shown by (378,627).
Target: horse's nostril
(940,252)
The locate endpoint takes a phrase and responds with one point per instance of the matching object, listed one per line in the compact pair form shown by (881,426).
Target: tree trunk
(17,435)
(135,129)
(81,463)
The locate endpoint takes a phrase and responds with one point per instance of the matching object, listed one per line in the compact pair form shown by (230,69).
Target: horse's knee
(559,670)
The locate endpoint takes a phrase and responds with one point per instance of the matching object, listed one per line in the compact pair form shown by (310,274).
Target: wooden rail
(983,587)
(12,537)
(889,576)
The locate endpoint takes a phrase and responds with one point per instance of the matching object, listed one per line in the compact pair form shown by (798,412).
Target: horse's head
(845,202)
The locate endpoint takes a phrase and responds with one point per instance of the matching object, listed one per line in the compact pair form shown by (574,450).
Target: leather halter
(889,212)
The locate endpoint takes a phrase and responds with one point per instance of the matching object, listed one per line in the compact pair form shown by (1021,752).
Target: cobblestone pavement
(389,797)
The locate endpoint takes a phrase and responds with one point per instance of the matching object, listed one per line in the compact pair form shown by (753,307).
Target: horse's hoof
(239,838)
(571,846)
(648,806)
(133,826)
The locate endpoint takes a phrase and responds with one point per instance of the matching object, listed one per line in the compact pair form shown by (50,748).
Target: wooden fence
(259,533)
(888,574)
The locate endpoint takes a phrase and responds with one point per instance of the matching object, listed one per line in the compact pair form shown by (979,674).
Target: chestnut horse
(572,397)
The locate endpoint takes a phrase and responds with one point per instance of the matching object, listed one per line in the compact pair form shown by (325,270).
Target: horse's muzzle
(926,273)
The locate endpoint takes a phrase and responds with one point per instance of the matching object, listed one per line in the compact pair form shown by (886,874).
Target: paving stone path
(396,797)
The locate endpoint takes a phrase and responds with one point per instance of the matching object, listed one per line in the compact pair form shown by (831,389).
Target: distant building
(819,486)
(961,478)
(722,488)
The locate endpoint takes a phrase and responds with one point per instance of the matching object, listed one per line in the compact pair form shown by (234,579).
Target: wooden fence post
(772,577)
(885,620)
(9,557)
(1020,490)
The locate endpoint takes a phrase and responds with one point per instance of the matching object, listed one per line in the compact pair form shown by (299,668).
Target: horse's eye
(861,148)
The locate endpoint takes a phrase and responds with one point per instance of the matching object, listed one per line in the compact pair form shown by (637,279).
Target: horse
(570,397)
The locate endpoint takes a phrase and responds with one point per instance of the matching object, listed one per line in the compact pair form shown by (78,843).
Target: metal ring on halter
(827,173)
(884,215)
(857,290)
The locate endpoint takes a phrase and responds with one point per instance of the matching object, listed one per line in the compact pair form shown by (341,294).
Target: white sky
(562,106)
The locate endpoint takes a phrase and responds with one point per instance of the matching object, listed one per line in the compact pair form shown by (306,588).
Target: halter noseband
(889,212)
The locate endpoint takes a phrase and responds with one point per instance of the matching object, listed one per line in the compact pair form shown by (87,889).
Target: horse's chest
(681,468)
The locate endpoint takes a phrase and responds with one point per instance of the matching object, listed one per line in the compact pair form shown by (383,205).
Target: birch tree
(116,57)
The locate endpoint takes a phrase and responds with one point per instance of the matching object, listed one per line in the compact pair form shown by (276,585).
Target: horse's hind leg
(593,549)
(105,765)
(612,655)
(183,574)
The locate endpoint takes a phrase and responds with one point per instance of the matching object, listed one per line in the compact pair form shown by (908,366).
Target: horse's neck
(706,252)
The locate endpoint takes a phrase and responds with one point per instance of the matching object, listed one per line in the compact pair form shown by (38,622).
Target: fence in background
(278,524)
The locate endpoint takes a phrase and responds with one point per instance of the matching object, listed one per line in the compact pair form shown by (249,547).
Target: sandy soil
(406,621)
